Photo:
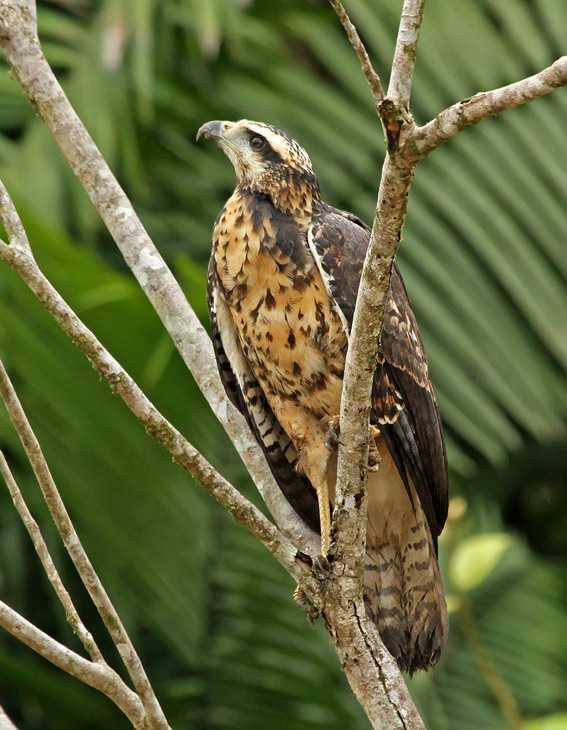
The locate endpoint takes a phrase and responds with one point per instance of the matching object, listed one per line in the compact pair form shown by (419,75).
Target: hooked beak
(213,130)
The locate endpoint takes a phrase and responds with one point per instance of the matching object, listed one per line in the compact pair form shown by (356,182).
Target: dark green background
(484,259)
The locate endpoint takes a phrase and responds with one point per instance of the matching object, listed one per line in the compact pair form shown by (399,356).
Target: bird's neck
(298,196)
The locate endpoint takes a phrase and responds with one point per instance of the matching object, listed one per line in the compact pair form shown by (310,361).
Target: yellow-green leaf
(549,722)
(476,557)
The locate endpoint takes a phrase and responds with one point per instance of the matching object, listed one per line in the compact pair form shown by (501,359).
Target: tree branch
(399,88)
(99,676)
(42,550)
(397,174)
(155,423)
(19,39)
(78,555)
(372,673)
(5,722)
(467,112)
(406,145)
(360,50)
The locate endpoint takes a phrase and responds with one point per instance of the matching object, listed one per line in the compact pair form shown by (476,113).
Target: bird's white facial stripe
(288,149)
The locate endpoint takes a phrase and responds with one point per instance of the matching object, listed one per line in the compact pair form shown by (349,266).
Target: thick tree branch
(360,50)
(99,676)
(406,145)
(42,550)
(396,178)
(349,522)
(467,112)
(19,39)
(373,675)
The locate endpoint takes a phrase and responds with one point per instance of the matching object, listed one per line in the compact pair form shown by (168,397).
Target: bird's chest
(287,326)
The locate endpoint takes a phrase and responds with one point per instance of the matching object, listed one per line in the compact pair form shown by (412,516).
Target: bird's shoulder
(338,241)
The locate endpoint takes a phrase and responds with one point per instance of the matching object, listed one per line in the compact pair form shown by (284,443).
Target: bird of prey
(282,286)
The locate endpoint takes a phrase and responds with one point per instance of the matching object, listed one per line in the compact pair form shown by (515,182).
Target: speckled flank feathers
(282,287)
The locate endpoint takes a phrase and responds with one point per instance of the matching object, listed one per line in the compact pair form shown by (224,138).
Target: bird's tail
(403,589)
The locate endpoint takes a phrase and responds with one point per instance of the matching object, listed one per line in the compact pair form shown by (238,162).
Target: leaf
(550,722)
(475,558)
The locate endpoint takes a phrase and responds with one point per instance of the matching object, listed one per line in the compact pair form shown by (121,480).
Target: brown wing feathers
(403,404)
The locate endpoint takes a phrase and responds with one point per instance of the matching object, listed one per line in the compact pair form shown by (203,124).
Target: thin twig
(99,676)
(467,112)
(19,39)
(43,552)
(361,52)
(77,553)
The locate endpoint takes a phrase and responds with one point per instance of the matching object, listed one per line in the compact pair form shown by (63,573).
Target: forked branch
(42,550)
(79,557)
(99,676)
(406,145)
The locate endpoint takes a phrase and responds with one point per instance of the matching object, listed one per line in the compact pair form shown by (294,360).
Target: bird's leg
(313,460)
(324,516)
(332,442)
(308,433)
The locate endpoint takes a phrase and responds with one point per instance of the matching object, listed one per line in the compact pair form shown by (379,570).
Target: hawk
(282,287)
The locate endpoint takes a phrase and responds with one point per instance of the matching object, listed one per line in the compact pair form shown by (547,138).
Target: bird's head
(267,161)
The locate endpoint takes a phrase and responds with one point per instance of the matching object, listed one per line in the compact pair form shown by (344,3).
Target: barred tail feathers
(403,589)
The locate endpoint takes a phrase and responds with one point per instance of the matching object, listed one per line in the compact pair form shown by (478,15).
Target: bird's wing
(246,394)
(403,401)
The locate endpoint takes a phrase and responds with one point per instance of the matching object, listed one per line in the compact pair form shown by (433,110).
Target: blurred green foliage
(484,261)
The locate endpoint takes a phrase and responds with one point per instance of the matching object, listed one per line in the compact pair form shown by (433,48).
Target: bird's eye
(257,142)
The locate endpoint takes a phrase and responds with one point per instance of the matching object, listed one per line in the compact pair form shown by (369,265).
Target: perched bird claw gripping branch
(282,286)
